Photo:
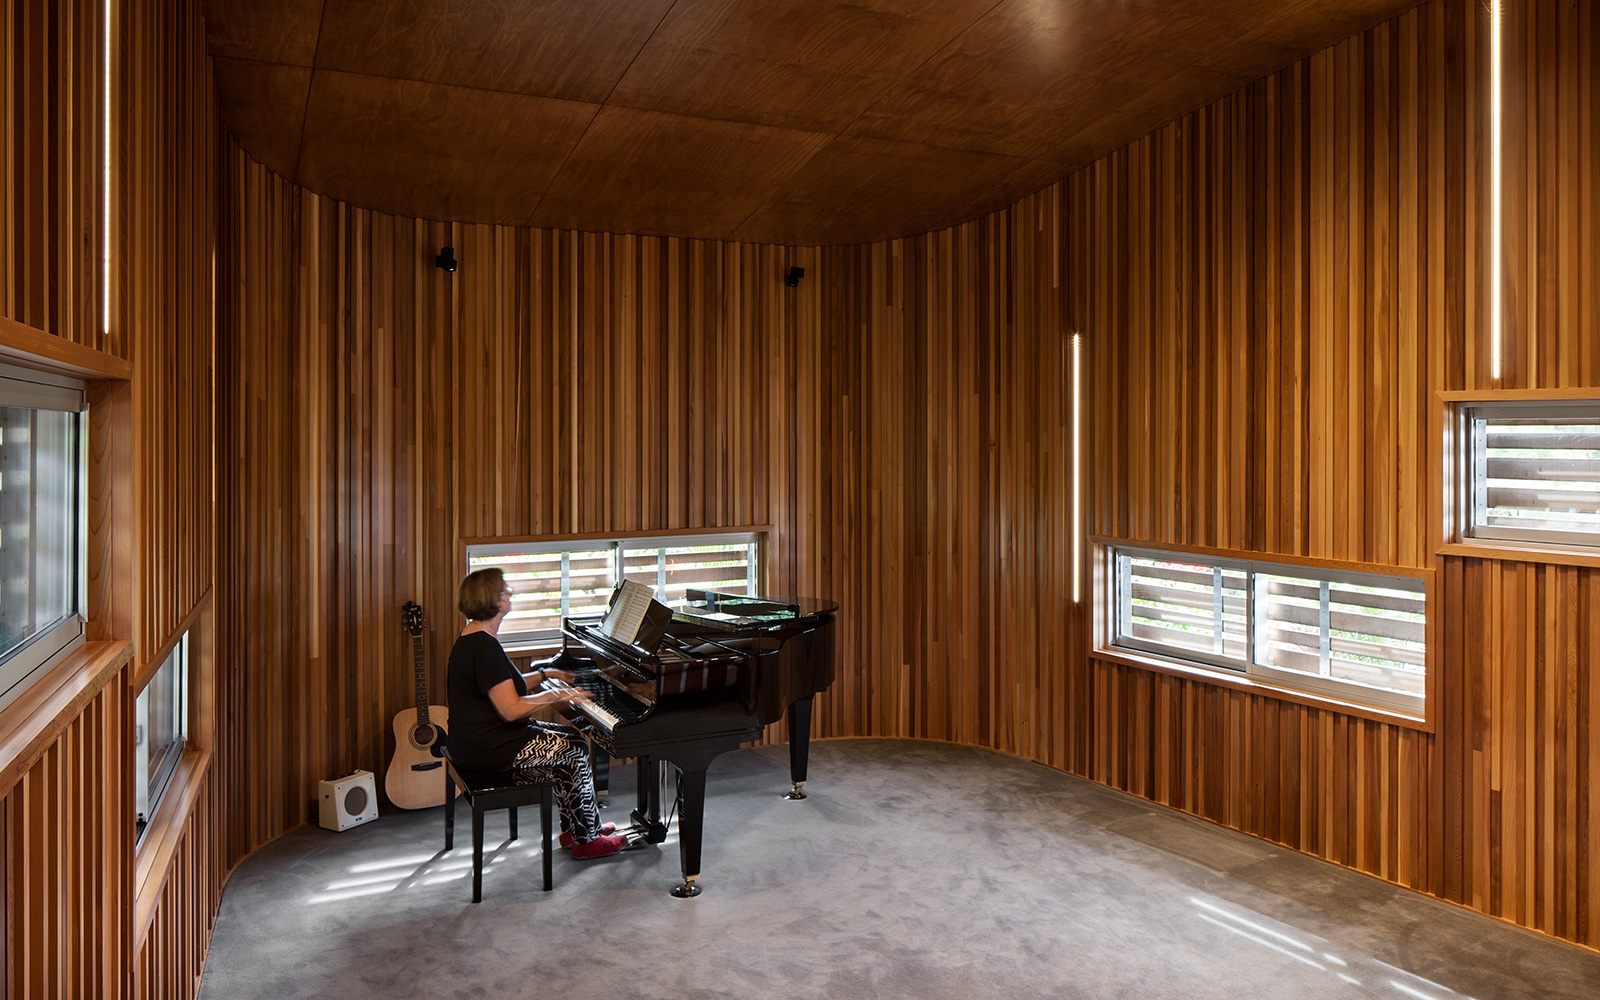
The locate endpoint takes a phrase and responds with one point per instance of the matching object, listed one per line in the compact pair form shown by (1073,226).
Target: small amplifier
(347,801)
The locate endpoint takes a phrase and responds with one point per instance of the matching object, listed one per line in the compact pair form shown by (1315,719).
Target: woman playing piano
(490,718)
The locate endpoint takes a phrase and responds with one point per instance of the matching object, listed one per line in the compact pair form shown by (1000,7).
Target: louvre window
(557,579)
(1357,637)
(1533,472)
(1192,609)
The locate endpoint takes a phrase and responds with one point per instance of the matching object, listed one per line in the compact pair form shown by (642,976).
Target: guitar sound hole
(422,737)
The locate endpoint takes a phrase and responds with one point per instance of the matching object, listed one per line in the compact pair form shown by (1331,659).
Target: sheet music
(627,611)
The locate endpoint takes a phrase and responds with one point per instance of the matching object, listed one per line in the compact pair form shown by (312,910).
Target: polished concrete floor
(914,870)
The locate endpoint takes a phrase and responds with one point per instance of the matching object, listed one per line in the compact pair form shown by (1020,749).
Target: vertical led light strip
(1496,174)
(105,191)
(1077,467)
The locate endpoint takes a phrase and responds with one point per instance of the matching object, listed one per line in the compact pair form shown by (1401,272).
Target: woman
(490,724)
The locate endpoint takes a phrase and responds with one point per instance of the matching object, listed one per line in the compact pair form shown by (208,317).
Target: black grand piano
(720,670)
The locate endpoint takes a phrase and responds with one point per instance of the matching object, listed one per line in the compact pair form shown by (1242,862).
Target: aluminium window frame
(754,538)
(158,772)
(1470,481)
(32,659)
(1249,668)
(1124,594)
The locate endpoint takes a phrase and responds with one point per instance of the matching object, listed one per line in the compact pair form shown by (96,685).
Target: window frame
(157,848)
(1469,461)
(158,775)
(1246,672)
(756,537)
(31,660)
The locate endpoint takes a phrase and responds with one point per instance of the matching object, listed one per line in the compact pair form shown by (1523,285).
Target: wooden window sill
(1486,548)
(1250,685)
(29,725)
(154,857)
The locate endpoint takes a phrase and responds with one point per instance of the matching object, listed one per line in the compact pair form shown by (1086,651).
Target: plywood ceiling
(769,121)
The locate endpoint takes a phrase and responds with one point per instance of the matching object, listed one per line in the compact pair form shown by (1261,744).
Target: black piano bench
(486,790)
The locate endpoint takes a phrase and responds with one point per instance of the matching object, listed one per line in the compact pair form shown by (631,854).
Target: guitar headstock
(411,618)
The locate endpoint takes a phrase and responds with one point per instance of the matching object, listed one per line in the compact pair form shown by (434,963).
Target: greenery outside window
(1354,636)
(42,487)
(559,578)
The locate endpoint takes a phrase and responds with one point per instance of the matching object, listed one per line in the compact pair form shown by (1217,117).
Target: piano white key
(586,706)
(598,714)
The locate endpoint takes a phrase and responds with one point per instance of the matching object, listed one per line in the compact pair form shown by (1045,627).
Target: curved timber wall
(1270,290)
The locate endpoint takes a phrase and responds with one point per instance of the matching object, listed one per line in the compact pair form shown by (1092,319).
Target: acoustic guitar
(414,780)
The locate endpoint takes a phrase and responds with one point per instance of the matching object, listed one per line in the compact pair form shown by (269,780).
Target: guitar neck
(422,679)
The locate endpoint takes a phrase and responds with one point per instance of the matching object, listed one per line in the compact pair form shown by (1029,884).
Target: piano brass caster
(796,793)
(687,890)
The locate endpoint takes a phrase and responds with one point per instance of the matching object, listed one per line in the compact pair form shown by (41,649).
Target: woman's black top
(479,738)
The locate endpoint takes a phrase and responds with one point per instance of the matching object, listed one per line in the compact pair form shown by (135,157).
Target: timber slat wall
(69,818)
(173,946)
(944,498)
(379,410)
(168,156)
(1273,289)
(50,169)
(1552,202)
(69,845)
(1268,299)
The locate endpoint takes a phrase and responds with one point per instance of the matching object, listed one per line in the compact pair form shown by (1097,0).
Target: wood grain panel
(50,170)
(982,92)
(437,149)
(280,31)
(849,171)
(575,50)
(656,173)
(1062,81)
(793,64)
(265,104)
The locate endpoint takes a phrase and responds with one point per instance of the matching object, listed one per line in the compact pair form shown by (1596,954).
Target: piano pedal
(653,833)
(796,793)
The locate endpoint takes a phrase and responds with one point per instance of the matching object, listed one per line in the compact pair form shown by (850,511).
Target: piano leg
(647,817)
(691,828)
(799,746)
(600,769)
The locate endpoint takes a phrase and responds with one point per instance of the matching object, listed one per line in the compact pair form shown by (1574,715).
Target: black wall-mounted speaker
(446,259)
(793,277)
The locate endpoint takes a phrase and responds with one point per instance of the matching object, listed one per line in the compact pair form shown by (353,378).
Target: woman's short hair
(478,597)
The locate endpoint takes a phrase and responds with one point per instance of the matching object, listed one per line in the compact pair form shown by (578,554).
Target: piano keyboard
(606,706)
